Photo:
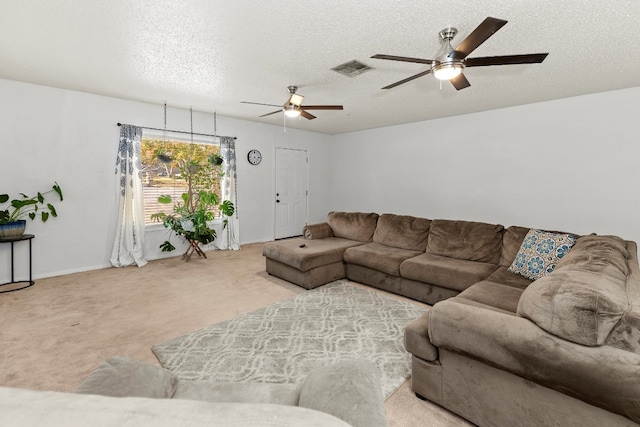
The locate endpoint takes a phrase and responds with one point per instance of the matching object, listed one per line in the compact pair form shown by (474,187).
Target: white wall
(571,164)
(53,134)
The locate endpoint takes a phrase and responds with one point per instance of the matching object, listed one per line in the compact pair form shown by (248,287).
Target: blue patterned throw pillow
(539,253)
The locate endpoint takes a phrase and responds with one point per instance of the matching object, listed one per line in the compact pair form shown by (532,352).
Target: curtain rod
(179,131)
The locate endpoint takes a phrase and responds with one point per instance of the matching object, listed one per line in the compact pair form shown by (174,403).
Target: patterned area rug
(282,342)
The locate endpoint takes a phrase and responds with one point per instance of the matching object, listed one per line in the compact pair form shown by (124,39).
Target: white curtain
(128,245)
(229,238)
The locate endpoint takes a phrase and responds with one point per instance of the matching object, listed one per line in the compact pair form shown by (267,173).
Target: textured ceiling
(212,54)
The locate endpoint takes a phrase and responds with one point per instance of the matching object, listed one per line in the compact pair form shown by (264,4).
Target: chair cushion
(401,231)
(379,257)
(450,273)
(467,240)
(353,225)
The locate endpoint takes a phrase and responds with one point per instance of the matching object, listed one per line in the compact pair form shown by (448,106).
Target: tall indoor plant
(13,216)
(193,214)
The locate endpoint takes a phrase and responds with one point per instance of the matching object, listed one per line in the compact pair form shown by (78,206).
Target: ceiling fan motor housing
(443,66)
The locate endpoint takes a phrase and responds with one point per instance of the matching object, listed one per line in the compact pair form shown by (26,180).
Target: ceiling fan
(294,108)
(450,63)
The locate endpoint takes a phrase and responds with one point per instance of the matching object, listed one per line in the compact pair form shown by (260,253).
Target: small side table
(29,282)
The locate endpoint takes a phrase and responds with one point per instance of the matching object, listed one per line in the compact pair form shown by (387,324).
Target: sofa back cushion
(358,226)
(124,377)
(473,241)
(401,231)
(511,241)
(584,298)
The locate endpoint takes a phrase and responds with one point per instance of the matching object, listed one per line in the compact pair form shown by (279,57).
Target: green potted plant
(13,216)
(193,213)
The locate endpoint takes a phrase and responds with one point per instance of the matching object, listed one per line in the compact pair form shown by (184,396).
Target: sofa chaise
(511,338)
(124,392)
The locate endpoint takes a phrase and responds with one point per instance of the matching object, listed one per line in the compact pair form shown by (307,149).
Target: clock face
(254,157)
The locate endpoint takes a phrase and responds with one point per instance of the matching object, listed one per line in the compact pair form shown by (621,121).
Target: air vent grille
(351,68)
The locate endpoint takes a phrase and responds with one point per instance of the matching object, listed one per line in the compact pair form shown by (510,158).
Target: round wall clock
(254,157)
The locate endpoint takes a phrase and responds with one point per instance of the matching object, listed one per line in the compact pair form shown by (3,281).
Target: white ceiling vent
(351,68)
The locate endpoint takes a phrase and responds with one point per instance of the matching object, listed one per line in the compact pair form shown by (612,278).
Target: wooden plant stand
(193,247)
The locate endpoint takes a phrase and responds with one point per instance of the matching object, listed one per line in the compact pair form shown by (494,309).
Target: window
(164,163)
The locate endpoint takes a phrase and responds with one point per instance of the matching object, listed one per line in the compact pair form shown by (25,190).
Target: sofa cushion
(401,231)
(386,259)
(626,334)
(540,252)
(349,390)
(314,253)
(123,377)
(584,299)
(209,391)
(503,276)
(353,225)
(467,240)
(598,254)
(317,231)
(450,273)
(31,408)
(494,294)
(511,241)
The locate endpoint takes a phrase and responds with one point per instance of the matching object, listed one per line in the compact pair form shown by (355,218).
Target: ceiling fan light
(447,71)
(291,111)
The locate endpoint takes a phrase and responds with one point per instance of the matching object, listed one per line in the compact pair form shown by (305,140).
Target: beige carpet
(55,332)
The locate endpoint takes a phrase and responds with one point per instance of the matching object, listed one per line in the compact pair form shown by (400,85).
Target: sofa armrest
(349,390)
(317,231)
(603,376)
(416,339)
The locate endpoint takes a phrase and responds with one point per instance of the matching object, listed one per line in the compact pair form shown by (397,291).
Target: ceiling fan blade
(408,79)
(484,61)
(268,114)
(403,59)
(478,36)
(306,115)
(258,103)
(460,82)
(322,107)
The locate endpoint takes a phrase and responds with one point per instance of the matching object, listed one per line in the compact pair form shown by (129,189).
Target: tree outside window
(164,163)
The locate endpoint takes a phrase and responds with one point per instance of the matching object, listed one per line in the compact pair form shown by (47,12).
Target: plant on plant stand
(193,213)
(13,217)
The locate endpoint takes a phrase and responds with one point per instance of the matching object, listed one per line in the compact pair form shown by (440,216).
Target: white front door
(292,171)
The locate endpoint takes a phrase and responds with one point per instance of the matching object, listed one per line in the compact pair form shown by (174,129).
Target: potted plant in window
(13,216)
(193,214)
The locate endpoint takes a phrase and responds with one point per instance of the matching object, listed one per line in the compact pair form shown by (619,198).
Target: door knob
(277,200)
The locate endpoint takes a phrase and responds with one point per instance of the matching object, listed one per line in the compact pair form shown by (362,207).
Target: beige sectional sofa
(496,348)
